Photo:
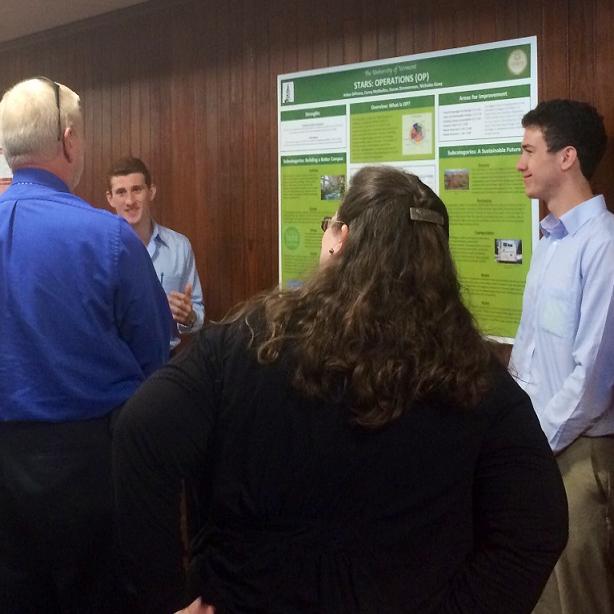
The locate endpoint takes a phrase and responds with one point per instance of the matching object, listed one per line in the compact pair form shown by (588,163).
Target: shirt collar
(574,219)
(40,177)
(157,233)
(155,230)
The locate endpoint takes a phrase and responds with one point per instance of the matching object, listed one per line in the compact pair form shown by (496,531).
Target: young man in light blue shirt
(563,355)
(131,193)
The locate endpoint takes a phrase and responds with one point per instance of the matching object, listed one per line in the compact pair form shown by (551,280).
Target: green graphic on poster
(490,230)
(312,187)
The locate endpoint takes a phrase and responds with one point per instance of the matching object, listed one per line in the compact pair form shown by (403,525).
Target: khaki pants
(583,580)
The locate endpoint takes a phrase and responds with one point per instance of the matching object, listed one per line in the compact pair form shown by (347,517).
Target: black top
(444,510)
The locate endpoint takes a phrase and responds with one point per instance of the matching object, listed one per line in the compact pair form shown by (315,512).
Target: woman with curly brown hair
(356,446)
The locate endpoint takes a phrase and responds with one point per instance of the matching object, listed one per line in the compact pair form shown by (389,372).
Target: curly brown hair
(383,324)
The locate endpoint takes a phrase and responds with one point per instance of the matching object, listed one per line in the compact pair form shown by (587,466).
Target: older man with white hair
(83,321)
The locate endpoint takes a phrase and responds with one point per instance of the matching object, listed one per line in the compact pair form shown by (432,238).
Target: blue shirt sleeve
(141,309)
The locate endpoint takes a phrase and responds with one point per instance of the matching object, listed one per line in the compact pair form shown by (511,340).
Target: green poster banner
(473,151)
(490,95)
(454,119)
(472,67)
(313,113)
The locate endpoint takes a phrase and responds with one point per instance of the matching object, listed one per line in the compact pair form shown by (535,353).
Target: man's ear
(152,191)
(110,199)
(67,142)
(569,156)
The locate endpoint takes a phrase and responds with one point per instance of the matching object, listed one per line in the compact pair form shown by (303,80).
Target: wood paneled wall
(190,86)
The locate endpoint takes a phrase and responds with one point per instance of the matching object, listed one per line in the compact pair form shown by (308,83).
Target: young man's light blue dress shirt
(173,260)
(563,355)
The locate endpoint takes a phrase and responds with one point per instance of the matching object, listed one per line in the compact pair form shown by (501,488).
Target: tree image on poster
(451,117)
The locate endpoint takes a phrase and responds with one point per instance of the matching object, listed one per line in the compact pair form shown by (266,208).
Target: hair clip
(418,214)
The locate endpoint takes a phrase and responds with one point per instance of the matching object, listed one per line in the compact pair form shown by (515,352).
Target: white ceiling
(22,17)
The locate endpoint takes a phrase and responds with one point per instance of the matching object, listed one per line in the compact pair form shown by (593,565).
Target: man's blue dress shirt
(563,354)
(83,318)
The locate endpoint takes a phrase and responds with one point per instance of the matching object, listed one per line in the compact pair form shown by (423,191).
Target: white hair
(29,121)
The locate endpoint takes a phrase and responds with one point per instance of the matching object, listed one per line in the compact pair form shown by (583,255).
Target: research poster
(453,118)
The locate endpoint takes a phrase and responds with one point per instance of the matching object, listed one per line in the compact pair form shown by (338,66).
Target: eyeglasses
(327,221)
(56,91)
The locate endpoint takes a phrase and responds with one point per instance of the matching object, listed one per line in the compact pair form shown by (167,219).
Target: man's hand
(181,306)
(197,607)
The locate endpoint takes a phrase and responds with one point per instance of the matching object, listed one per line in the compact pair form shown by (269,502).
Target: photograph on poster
(332,187)
(508,251)
(456,179)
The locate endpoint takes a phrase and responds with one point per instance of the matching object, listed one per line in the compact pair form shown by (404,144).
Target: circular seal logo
(292,237)
(517,61)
